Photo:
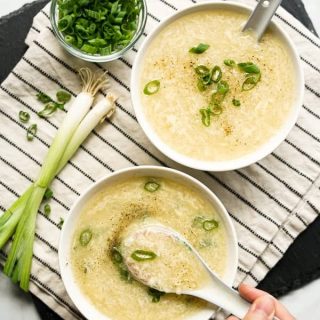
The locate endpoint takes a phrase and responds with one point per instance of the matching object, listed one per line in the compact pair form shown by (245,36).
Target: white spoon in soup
(162,259)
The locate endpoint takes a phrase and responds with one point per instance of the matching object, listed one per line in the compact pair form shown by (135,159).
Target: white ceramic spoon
(261,16)
(216,291)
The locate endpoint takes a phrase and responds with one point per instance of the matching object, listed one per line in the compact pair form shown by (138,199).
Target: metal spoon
(261,16)
(215,291)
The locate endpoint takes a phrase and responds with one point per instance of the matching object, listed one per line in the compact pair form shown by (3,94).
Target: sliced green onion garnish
(44,98)
(202,70)
(223,87)
(48,194)
(48,110)
(47,209)
(251,82)
(151,87)
(143,255)
(201,86)
(85,237)
(205,116)
(229,62)
(151,186)
(217,98)
(236,102)
(216,74)
(200,48)
(209,225)
(248,67)
(24,116)
(31,132)
(63,96)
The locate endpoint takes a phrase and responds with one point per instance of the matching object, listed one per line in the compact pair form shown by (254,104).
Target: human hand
(264,306)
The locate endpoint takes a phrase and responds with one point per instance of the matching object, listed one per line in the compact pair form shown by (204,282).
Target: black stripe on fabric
(18,196)
(255,255)
(311,112)
(313,207)
(302,220)
(249,273)
(291,167)
(153,17)
(52,269)
(35,29)
(310,64)
(263,190)
(297,193)
(46,144)
(31,180)
(53,248)
(302,152)
(169,5)
(37,162)
(247,202)
(307,132)
(287,232)
(254,233)
(48,121)
(312,90)
(126,62)
(94,132)
(45,14)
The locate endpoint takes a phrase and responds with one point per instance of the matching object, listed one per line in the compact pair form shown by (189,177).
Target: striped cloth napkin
(270,202)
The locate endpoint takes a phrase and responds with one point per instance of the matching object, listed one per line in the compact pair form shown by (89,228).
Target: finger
(232,318)
(262,309)
(251,294)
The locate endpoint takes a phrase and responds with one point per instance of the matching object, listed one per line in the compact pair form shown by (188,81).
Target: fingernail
(264,305)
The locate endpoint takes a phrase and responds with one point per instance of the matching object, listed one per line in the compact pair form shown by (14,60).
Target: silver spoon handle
(261,16)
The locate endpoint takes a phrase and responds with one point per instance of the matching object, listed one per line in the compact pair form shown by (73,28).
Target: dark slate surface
(300,264)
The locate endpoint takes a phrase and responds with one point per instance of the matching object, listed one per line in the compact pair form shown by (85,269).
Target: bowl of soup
(92,244)
(212,97)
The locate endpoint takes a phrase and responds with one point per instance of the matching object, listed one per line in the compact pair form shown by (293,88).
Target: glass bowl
(54,15)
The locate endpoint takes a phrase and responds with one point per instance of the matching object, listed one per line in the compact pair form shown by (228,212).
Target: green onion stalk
(20,219)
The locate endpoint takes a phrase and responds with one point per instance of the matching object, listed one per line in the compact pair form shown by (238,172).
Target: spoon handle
(261,16)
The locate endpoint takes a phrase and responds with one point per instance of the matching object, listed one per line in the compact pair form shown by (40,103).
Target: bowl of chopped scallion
(98,30)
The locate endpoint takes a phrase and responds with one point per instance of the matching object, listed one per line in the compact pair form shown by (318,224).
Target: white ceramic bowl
(246,160)
(79,299)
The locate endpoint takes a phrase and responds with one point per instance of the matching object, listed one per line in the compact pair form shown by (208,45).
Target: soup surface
(97,257)
(246,116)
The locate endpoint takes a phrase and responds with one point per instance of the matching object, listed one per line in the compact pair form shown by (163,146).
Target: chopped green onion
(143,255)
(200,48)
(248,67)
(201,86)
(61,222)
(48,194)
(217,98)
(202,70)
(216,74)
(151,87)
(251,82)
(91,25)
(44,98)
(229,62)
(223,87)
(205,116)
(151,186)
(209,225)
(63,96)
(85,237)
(48,110)
(31,132)
(236,102)
(47,209)
(24,116)
(155,294)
